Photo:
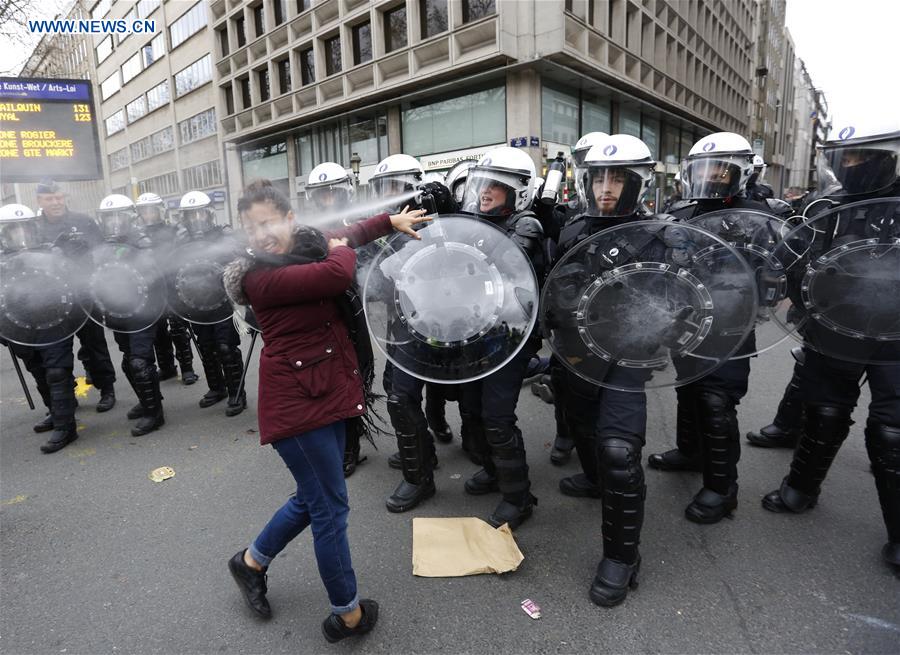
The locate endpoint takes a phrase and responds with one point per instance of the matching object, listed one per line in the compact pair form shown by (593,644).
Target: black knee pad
(620,464)
(402,411)
(716,410)
(140,367)
(883,444)
(225,351)
(58,375)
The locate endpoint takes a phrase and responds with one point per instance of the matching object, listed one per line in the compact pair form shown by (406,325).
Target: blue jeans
(316,460)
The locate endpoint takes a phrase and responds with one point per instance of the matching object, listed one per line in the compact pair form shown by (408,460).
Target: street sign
(519,141)
(48,129)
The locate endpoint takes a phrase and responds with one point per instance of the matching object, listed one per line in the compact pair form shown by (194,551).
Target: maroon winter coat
(308,373)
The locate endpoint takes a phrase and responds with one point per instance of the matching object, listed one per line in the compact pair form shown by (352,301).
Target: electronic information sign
(48,129)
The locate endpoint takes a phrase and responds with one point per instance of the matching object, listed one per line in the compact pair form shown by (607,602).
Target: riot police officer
(118,222)
(858,163)
(715,176)
(219,343)
(74,234)
(172,338)
(500,190)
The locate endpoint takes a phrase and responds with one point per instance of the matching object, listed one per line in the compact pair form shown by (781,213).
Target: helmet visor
(151,214)
(612,191)
(330,197)
(19,235)
(490,193)
(197,221)
(116,224)
(862,169)
(713,177)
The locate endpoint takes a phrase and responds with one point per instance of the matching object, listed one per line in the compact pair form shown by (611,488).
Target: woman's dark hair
(262,190)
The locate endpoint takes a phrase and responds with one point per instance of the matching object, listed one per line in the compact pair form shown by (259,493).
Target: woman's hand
(334,243)
(404,221)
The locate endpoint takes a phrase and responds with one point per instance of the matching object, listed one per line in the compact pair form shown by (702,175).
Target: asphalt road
(96,558)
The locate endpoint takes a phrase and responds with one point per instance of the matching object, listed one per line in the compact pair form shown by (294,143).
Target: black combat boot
(720,441)
(107,399)
(62,402)
(146,382)
(511,470)
(212,368)
(563,444)
(181,339)
(351,448)
(883,446)
(585,484)
(787,427)
(826,428)
(687,454)
(416,451)
(623,515)
(435,414)
(471,435)
(233,369)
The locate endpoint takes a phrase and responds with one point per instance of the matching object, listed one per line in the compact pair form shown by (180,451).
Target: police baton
(15,361)
(246,364)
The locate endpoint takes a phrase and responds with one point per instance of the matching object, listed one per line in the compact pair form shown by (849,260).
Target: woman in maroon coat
(311,382)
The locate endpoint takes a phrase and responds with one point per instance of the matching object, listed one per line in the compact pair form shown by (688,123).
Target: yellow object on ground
(162,473)
(449,548)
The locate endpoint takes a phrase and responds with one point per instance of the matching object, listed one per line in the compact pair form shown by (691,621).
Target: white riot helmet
(718,166)
(18,228)
(584,144)
(615,174)
(116,216)
(396,176)
(197,214)
(455,180)
(151,209)
(329,186)
(433,176)
(859,159)
(500,184)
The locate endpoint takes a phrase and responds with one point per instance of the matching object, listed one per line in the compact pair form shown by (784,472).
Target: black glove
(443,199)
(73,244)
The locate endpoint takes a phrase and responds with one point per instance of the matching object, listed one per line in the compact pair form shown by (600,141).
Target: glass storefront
(337,141)
(269,161)
(465,121)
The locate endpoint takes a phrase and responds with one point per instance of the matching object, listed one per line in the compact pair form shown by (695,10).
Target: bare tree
(19,44)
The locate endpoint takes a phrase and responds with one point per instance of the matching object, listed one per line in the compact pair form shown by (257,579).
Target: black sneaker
(252,584)
(335,629)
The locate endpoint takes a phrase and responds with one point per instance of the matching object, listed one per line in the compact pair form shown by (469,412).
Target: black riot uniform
(829,389)
(75,234)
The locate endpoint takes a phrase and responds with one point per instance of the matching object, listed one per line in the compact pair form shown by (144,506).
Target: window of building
(687,141)
(110,85)
(154,50)
(198,126)
(670,144)
(115,123)
(101,9)
(333,55)
(269,162)
(223,41)
(118,160)
(140,150)
(303,5)
(188,24)
(650,135)
(131,68)
(104,49)
(466,121)
(147,7)
(158,96)
(194,76)
(280,10)
(559,115)
(629,121)
(596,115)
(262,80)
(163,185)
(336,141)
(240,30)
(129,18)
(362,43)
(246,100)
(136,109)
(284,75)
(395,29)
(307,66)
(163,141)
(368,139)
(259,19)
(203,176)
(229,100)
(434,17)
(475,9)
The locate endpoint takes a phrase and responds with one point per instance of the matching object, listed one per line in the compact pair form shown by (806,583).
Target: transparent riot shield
(454,306)
(41,298)
(755,235)
(843,268)
(648,304)
(195,289)
(125,289)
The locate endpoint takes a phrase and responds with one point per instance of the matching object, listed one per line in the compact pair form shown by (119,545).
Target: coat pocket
(314,369)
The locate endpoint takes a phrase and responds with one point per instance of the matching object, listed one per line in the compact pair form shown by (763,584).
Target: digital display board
(48,129)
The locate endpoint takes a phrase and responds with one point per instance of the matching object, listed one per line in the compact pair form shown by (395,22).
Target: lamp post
(355,161)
